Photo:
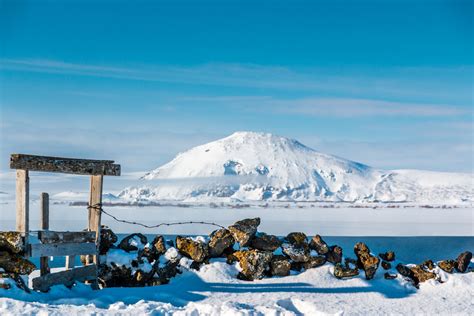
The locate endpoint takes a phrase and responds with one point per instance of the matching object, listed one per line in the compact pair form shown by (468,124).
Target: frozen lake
(403,221)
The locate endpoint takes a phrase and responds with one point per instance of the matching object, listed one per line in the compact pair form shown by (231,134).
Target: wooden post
(70,262)
(94,213)
(44,202)
(23,203)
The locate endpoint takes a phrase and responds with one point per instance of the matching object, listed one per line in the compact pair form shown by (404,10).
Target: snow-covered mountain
(258,166)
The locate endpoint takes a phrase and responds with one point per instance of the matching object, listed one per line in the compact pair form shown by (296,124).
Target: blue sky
(387,83)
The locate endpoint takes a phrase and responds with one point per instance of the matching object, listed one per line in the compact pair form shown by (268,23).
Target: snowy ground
(215,290)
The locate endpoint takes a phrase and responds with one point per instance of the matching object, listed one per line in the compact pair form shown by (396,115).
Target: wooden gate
(54,243)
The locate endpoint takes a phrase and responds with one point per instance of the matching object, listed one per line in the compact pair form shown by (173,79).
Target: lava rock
(386,265)
(16,279)
(219,241)
(447,265)
(153,250)
(318,244)
(416,273)
(297,239)
(265,242)
(11,242)
(388,256)
(404,270)
(107,239)
(15,263)
(343,271)
(196,250)
(334,255)
(314,262)
(389,276)
(279,266)
(295,253)
(462,262)
(427,265)
(243,231)
(133,242)
(253,263)
(421,275)
(365,260)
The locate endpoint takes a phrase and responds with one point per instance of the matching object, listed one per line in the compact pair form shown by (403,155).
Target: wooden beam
(51,237)
(67,277)
(63,249)
(44,215)
(23,203)
(95,198)
(64,165)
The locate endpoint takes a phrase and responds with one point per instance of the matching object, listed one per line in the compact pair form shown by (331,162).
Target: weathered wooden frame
(69,244)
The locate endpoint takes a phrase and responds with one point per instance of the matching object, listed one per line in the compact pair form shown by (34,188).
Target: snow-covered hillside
(249,166)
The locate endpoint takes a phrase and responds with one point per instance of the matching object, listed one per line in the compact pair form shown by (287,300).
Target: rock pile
(135,261)
(12,262)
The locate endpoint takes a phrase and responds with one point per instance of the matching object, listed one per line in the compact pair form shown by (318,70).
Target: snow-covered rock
(249,166)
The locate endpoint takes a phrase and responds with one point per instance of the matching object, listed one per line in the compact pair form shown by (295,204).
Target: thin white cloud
(394,81)
(339,107)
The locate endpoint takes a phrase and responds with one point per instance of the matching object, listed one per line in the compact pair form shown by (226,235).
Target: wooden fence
(56,243)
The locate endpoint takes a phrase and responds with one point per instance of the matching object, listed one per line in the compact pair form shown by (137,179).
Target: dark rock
(16,278)
(15,263)
(253,263)
(420,275)
(388,256)
(297,239)
(296,266)
(280,266)
(463,260)
(196,250)
(170,270)
(11,242)
(447,265)
(153,250)
(243,231)
(416,273)
(404,270)
(343,271)
(295,253)
(107,239)
(334,255)
(314,262)
(365,260)
(389,276)
(219,241)
(386,265)
(265,242)
(133,242)
(427,265)
(318,244)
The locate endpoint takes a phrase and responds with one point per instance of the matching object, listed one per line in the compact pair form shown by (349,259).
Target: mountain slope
(258,166)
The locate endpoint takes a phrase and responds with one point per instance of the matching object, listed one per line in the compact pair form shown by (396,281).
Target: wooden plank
(63,249)
(64,165)
(44,216)
(23,203)
(53,237)
(95,198)
(67,277)
(70,262)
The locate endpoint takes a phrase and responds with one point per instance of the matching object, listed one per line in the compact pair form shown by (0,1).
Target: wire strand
(98,207)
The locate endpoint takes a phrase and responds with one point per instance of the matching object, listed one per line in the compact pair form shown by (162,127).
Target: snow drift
(249,166)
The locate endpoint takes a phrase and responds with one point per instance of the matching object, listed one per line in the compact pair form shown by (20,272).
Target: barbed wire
(98,207)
